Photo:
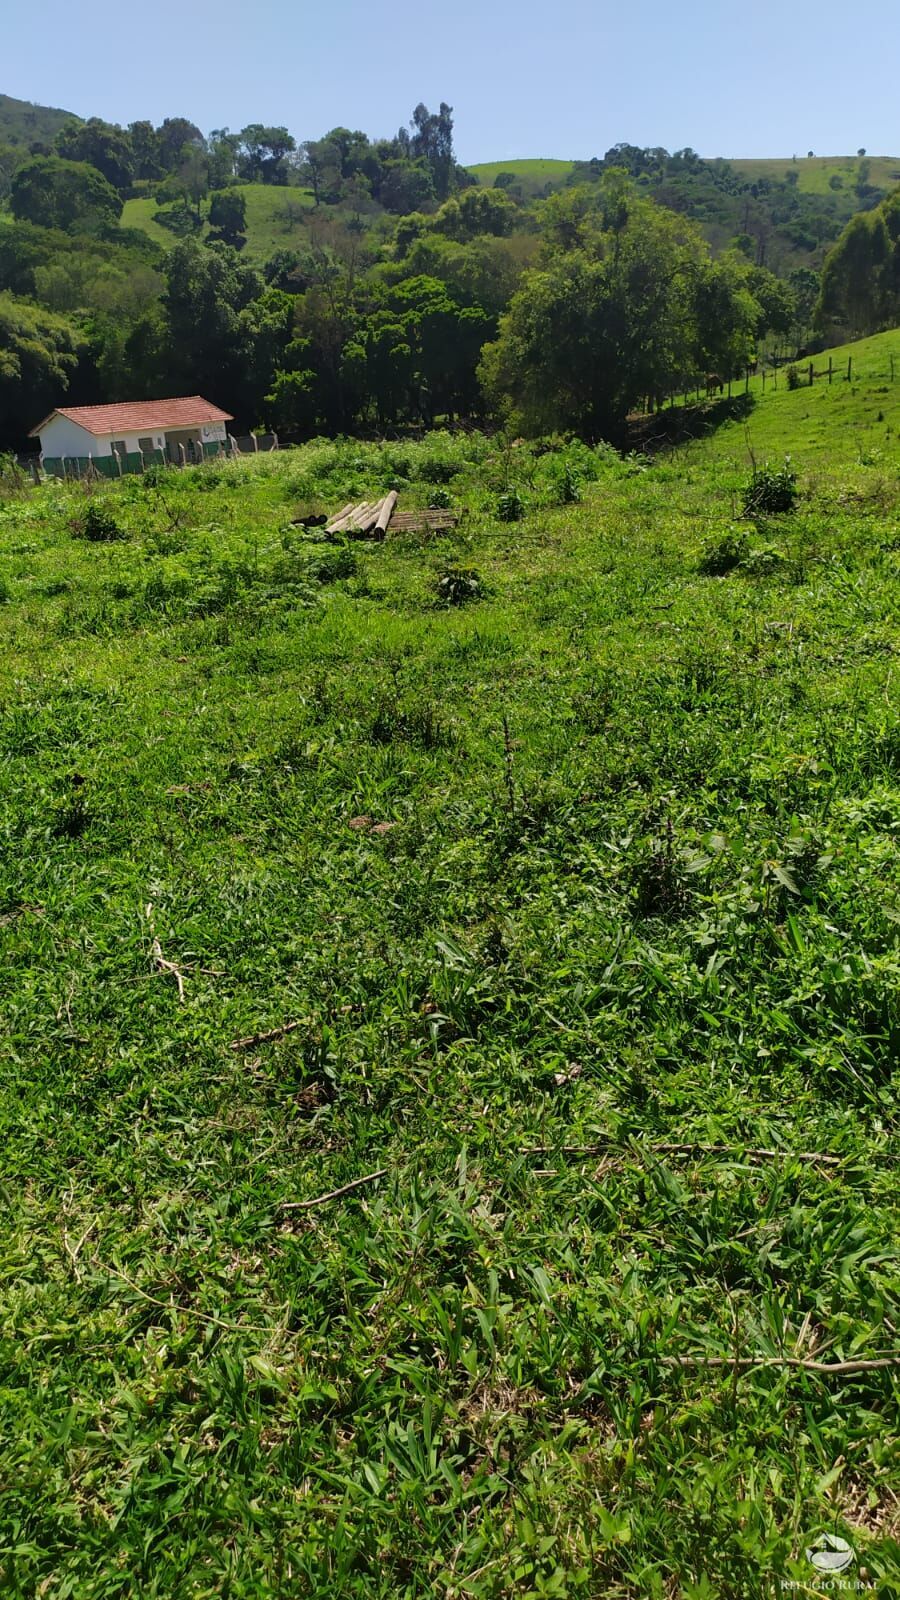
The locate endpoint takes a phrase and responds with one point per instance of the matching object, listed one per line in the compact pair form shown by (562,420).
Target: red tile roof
(135,416)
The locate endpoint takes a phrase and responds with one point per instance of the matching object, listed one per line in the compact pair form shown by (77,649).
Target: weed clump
(459,586)
(420,725)
(793,377)
(771,490)
(660,888)
(723,555)
(326,564)
(98,525)
(439,499)
(510,506)
(565,483)
(438,469)
(760,563)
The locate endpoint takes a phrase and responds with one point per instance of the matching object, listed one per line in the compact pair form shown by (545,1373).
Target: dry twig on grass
(805,1363)
(254,1039)
(333,1194)
(603,1148)
(168,966)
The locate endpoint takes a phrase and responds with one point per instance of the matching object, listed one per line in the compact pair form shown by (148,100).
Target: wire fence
(121,463)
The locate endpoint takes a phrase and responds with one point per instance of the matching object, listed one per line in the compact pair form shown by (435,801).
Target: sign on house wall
(210,431)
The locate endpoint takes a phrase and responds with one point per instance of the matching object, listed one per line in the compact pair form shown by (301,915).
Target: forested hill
(25,124)
(344,282)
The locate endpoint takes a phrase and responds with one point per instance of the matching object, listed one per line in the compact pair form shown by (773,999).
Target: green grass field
(816,172)
(818,423)
(275,219)
(565,919)
(532,175)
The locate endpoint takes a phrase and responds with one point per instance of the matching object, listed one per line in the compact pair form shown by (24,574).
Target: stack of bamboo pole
(368,516)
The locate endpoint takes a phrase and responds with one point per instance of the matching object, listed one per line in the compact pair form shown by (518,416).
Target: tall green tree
(228,215)
(264,150)
(628,312)
(861,274)
(145,149)
(101,145)
(63,194)
(205,344)
(171,137)
(38,354)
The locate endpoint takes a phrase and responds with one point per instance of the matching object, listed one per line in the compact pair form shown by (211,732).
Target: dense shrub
(458,586)
(722,555)
(99,525)
(510,506)
(770,490)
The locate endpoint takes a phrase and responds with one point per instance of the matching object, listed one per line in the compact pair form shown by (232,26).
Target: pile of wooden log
(375,517)
(368,516)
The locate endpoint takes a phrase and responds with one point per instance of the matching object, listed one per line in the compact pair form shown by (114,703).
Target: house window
(145,446)
(120,447)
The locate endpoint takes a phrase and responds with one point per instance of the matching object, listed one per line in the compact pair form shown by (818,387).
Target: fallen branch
(188,1311)
(666,1148)
(168,966)
(333,1194)
(253,1039)
(806,1363)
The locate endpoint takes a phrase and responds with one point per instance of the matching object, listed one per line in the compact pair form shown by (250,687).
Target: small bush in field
(439,499)
(793,377)
(459,586)
(99,525)
(438,469)
(771,490)
(759,563)
(510,506)
(723,555)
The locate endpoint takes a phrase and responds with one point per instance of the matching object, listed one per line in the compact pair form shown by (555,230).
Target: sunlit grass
(603,859)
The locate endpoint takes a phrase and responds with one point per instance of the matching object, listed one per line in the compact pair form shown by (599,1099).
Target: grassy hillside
(816,172)
(856,420)
(563,923)
(276,219)
(22,123)
(532,176)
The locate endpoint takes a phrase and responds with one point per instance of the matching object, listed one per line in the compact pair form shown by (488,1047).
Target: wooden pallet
(432,521)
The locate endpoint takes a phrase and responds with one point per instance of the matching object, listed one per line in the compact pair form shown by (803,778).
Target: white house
(121,437)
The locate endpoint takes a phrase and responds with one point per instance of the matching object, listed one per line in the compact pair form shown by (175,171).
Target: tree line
(560,312)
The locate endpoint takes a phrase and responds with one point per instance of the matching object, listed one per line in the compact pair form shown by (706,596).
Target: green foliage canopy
(63,194)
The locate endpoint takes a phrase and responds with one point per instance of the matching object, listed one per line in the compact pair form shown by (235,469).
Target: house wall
(64,438)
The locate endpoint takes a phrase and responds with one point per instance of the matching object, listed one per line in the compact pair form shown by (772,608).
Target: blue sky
(775,77)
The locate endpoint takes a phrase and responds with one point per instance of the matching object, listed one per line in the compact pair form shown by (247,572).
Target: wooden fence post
(849,368)
(829,368)
(811,374)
